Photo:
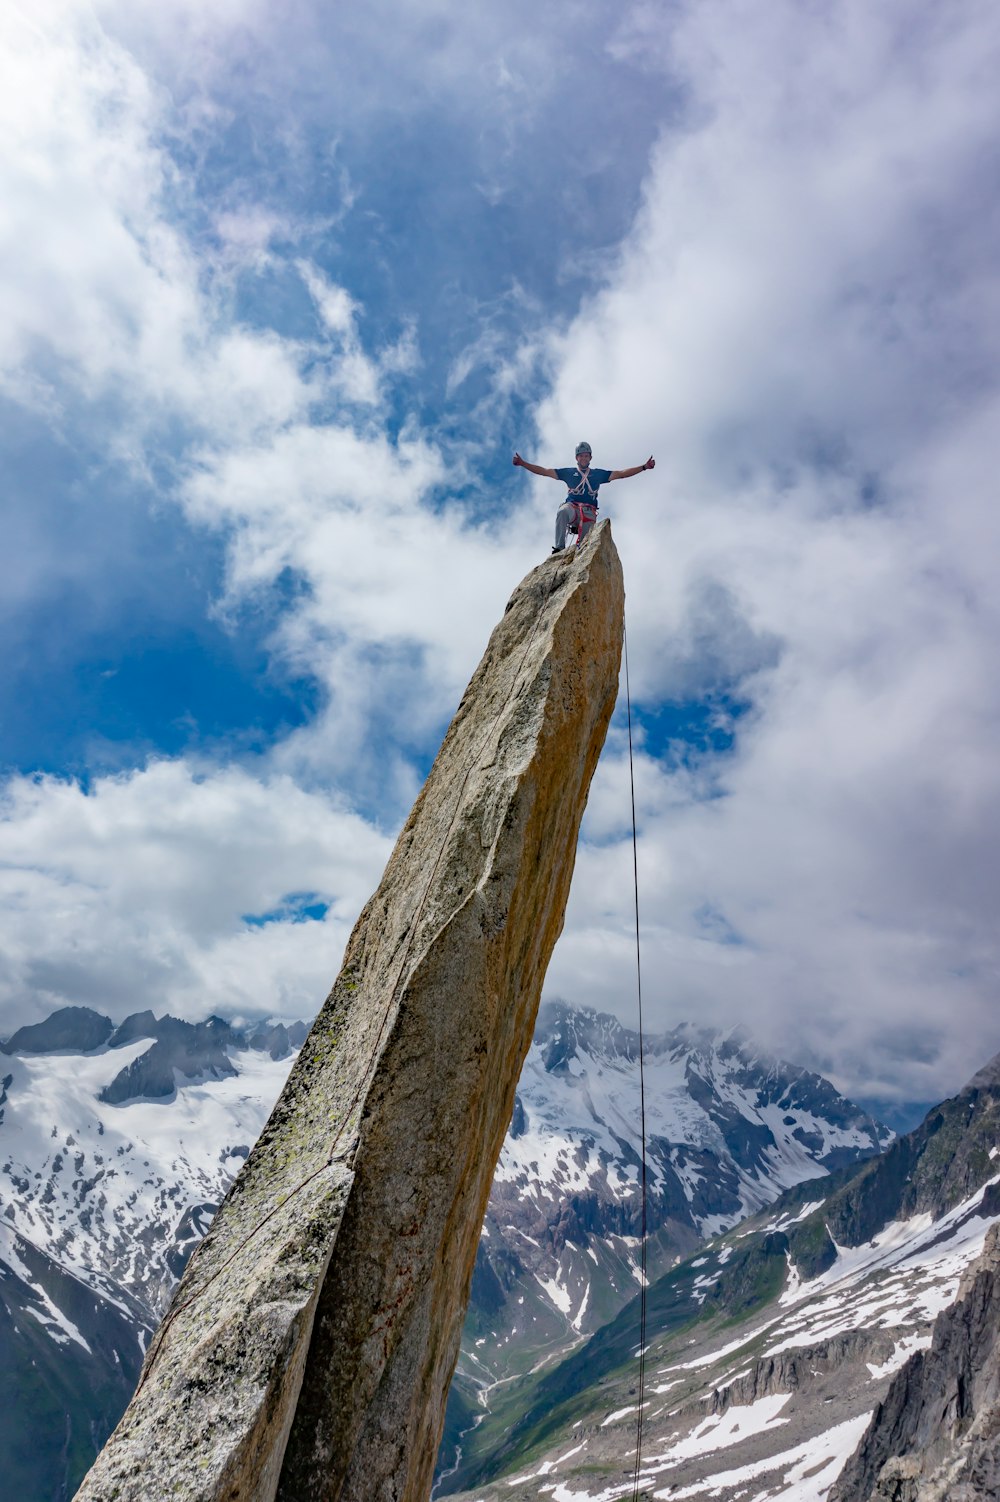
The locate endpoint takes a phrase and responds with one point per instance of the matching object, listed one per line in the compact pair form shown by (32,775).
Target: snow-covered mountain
(728,1128)
(118,1143)
(116,1147)
(113,1163)
(769,1350)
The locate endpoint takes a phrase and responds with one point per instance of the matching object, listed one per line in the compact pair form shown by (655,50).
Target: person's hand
(649,464)
(517,459)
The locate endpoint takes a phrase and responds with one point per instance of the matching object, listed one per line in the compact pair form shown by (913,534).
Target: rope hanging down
(642,1101)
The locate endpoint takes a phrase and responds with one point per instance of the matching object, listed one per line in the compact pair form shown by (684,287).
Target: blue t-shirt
(583,489)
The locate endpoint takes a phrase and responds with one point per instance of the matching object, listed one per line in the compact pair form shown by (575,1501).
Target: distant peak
(78,1029)
(986,1077)
(563,1031)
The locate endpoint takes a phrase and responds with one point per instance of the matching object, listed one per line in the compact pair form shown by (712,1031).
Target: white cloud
(343,512)
(112,301)
(490,69)
(133,894)
(356,375)
(803,326)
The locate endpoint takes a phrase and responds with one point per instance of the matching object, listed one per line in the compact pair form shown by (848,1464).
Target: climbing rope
(642,1098)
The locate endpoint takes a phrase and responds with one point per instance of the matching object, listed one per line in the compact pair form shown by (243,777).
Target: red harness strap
(584,512)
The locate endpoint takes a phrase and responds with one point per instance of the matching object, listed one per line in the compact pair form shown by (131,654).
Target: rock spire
(309,1347)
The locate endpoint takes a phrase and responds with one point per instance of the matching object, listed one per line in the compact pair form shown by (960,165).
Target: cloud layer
(306,363)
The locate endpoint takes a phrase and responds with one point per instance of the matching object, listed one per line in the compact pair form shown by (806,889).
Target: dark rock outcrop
(270,1038)
(136,1026)
(189,1050)
(936,1435)
(310,1344)
(76,1028)
(787,1371)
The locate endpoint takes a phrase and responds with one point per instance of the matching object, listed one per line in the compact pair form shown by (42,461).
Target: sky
(283,287)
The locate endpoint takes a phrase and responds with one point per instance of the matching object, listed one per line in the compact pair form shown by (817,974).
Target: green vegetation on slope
(752,1276)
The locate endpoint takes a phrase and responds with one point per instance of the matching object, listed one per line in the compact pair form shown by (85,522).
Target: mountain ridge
(178,1049)
(842,1269)
(166,1161)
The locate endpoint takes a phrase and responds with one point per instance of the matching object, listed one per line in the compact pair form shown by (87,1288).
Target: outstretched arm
(626,474)
(536,469)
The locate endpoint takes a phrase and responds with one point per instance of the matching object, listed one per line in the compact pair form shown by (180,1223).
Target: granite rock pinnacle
(309,1347)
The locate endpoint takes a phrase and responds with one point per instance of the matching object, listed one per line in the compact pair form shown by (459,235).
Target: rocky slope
(768,1351)
(70,1351)
(935,1436)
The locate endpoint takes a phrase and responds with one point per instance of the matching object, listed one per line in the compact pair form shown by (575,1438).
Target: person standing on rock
(578,512)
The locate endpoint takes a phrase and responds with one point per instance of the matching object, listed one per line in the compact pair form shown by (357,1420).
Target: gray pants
(568,513)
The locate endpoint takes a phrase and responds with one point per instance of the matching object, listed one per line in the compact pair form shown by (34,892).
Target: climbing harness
(586,516)
(584,488)
(586,511)
(642,1099)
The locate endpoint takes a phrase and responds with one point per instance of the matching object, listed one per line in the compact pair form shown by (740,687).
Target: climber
(578,513)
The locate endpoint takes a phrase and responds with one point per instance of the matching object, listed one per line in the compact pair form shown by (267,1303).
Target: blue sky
(282,291)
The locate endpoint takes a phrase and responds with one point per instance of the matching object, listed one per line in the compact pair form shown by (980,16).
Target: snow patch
(719,1431)
(578,1319)
(556,1293)
(713,1356)
(803,1481)
(620,1413)
(900,1356)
